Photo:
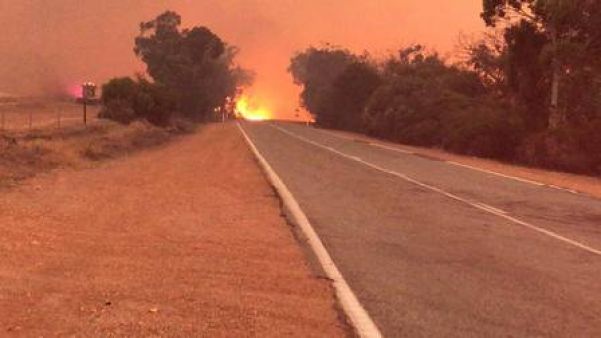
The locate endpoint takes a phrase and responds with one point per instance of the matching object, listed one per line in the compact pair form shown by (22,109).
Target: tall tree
(316,69)
(488,58)
(567,25)
(349,95)
(195,64)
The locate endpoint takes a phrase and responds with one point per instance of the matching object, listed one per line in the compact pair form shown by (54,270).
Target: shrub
(118,97)
(118,110)
(125,100)
(119,89)
(154,102)
(571,148)
(485,128)
(346,98)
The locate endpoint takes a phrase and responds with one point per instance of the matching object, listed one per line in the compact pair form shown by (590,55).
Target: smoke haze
(48,47)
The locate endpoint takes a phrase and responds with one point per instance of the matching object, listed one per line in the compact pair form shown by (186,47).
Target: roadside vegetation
(527,92)
(28,153)
(192,76)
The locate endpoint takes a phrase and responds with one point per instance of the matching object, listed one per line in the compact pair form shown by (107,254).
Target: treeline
(192,75)
(529,93)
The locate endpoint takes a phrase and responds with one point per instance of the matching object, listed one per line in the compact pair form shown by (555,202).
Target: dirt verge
(184,240)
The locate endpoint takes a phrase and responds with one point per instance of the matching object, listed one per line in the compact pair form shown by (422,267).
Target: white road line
(491,208)
(523,180)
(359,317)
(398,150)
(373,144)
(477,205)
(572,191)
(402,151)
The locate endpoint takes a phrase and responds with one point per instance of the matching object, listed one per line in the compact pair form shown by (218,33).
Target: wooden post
(30,120)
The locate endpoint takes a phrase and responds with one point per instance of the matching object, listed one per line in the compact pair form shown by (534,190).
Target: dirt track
(186,240)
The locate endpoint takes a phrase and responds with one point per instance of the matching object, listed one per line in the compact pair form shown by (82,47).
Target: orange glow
(75,91)
(96,40)
(251,111)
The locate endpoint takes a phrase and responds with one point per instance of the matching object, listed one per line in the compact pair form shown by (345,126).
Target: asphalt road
(434,249)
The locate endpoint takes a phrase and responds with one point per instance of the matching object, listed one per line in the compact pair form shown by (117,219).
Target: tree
(118,97)
(406,107)
(348,96)
(316,69)
(424,101)
(487,56)
(125,99)
(569,27)
(195,65)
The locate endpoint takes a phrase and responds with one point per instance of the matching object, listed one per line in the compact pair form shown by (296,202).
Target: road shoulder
(184,240)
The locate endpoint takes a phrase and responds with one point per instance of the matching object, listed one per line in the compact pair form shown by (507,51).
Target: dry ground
(184,240)
(584,184)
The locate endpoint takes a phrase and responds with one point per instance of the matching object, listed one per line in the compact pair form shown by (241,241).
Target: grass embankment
(26,154)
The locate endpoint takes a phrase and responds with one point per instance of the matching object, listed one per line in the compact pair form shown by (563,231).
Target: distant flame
(250,111)
(75,91)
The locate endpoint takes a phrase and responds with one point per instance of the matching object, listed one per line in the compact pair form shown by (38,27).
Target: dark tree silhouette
(194,64)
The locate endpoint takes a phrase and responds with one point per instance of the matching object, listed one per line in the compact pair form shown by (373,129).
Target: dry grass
(15,115)
(24,154)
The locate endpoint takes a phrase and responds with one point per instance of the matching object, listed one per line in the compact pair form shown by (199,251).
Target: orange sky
(50,45)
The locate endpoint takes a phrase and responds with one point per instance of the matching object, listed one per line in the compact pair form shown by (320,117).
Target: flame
(249,110)
(75,91)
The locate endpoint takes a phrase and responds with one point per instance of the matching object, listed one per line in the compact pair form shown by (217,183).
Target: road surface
(435,249)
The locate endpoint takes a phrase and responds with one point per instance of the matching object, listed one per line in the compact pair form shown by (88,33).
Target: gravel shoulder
(182,240)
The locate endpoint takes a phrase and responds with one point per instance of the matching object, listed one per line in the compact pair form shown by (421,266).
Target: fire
(250,111)
(75,91)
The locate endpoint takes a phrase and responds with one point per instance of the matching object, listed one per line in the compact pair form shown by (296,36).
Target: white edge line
(359,317)
(483,207)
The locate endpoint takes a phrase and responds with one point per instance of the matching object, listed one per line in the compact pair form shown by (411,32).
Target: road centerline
(453,163)
(478,205)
